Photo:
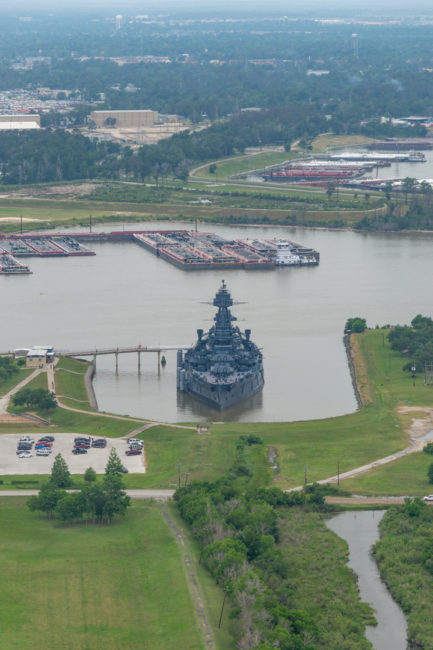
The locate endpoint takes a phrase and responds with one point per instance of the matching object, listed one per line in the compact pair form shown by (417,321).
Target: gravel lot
(63,444)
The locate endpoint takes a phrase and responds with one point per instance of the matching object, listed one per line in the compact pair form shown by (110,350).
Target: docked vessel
(224,367)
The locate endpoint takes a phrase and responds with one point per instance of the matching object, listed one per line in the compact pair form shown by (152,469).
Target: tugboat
(224,367)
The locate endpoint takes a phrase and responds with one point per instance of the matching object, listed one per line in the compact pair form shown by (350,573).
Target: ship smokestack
(247,334)
(199,334)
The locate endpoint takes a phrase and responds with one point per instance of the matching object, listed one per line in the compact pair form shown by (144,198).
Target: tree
(60,475)
(356,325)
(116,500)
(47,499)
(430,474)
(212,168)
(114,464)
(90,475)
(70,507)
(408,186)
(388,189)
(330,189)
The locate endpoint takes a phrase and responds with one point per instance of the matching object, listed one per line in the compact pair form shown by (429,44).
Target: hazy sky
(322,7)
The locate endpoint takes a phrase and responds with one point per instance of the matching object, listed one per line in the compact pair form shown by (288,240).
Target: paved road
(159,495)
(370,501)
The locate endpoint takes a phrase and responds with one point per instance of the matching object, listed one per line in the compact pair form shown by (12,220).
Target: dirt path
(191,576)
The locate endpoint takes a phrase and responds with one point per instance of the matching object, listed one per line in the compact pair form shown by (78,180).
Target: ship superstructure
(224,367)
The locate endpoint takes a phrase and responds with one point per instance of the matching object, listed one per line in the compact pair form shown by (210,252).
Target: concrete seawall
(88,382)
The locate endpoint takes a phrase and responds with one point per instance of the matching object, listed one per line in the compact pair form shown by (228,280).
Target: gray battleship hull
(223,396)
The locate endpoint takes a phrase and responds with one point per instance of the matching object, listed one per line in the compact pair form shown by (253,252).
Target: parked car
(79,450)
(133,452)
(25,454)
(125,470)
(99,442)
(43,452)
(24,446)
(135,441)
(46,439)
(83,439)
(81,445)
(428,498)
(26,438)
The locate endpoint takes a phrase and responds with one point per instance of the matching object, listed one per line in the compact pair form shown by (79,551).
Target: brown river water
(126,296)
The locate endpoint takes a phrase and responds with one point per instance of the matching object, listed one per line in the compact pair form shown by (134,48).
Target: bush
(428,449)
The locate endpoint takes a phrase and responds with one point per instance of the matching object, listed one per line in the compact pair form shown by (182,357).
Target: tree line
(235,521)
(415,341)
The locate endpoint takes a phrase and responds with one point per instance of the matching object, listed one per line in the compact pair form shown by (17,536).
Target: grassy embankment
(404,557)
(117,586)
(70,385)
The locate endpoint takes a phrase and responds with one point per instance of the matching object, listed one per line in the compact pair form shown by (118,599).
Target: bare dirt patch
(64,191)
(420,418)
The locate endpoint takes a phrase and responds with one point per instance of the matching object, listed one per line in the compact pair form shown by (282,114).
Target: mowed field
(85,587)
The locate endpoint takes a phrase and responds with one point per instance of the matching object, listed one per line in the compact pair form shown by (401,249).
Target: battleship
(224,367)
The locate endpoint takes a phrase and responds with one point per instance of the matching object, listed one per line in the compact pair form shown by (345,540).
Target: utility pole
(338,473)
(222,609)
(178,473)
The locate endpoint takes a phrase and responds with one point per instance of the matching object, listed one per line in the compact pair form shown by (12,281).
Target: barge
(187,250)
(11,266)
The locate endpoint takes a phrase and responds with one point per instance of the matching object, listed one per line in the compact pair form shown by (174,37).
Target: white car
(26,439)
(135,441)
(25,454)
(428,498)
(43,452)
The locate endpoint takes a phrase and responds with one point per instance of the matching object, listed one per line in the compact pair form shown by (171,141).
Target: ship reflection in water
(224,367)
(189,404)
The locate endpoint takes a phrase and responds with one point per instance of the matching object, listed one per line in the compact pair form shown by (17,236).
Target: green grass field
(89,587)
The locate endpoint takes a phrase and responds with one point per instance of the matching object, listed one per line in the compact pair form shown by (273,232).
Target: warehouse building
(20,122)
(124,119)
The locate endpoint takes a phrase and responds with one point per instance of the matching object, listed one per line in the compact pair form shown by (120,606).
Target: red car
(133,452)
(40,445)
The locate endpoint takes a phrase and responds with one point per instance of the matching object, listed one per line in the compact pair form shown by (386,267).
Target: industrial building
(124,119)
(20,121)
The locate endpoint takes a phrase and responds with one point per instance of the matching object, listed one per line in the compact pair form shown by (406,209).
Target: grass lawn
(238,164)
(404,477)
(322,142)
(87,587)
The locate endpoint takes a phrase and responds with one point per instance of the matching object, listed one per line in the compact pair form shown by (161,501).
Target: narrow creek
(361,530)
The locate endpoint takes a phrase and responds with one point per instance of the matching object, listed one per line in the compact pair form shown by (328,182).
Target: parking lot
(64,442)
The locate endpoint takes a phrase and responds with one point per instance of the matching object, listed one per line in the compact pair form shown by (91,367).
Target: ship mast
(223,318)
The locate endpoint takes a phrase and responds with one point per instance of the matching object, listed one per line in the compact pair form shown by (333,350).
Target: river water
(361,531)
(126,296)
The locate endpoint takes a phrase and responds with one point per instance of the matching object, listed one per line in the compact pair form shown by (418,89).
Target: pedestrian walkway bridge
(138,349)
